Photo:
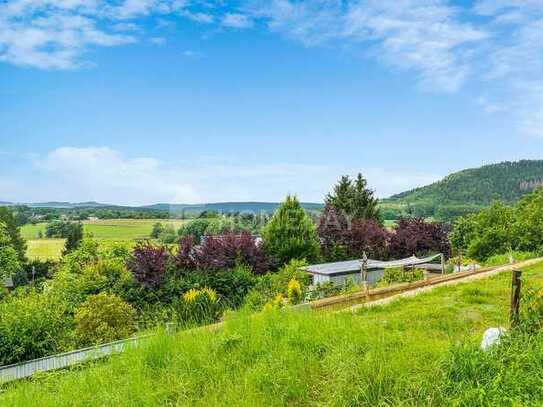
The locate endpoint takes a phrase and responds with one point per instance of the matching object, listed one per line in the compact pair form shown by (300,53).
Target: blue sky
(143,101)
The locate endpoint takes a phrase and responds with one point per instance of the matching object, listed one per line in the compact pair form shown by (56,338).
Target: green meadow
(420,351)
(114,230)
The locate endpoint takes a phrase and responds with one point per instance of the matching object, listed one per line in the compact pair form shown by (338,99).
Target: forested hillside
(469,190)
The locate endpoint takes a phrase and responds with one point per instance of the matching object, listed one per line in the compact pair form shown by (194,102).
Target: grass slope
(406,353)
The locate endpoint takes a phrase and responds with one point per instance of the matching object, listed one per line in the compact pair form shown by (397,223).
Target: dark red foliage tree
(331,230)
(222,253)
(367,236)
(415,236)
(185,258)
(148,264)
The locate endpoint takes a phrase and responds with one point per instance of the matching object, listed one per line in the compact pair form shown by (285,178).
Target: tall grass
(414,352)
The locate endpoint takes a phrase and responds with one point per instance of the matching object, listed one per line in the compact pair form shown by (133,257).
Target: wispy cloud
(106,175)
(497,44)
(423,36)
(235,20)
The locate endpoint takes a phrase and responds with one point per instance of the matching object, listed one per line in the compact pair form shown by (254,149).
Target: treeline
(501,229)
(24,214)
(211,224)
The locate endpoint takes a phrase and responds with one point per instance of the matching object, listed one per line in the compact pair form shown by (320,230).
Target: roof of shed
(342,267)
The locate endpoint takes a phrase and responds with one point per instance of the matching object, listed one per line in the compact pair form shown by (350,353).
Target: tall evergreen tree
(363,204)
(291,234)
(354,199)
(341,197)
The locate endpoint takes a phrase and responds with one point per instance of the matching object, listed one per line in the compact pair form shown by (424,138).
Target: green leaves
(354,199)
(291,234)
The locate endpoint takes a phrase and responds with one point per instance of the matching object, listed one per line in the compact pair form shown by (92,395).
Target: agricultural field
(413,352)
(112,230)
(44,249)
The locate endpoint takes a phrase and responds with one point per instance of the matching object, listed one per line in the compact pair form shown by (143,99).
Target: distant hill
(222,207)
(467,191)
(506,181)
(229,207)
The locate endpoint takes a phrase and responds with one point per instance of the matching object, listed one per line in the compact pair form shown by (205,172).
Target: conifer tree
(291,234)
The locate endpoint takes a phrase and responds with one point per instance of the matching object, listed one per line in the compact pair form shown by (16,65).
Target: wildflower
(191,295)
(294,291)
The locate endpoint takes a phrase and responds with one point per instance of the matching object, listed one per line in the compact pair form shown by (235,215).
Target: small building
(341,271)
(8,283)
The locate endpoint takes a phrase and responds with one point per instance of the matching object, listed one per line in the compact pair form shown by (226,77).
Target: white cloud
(198,17)
(106,175)
(100,173)
(157,40)
(189,53)
(423,36)
(234,20)
(55,34)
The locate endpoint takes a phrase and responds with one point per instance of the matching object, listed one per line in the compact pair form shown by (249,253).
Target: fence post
(515,298)
(170,328)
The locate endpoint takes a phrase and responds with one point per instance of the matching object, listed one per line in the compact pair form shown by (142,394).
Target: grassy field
(44,249)
(420,351)
(118,230)
(124,229)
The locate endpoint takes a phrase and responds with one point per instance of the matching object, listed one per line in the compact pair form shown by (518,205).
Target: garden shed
(340,272)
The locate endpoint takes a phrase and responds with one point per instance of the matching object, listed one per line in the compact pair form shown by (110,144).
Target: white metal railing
(25,369)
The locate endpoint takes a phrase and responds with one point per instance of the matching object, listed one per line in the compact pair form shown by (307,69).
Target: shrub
(9,259)
(195,228)
(35,272)
(291,234)
(9,263)
(401,275)
(8,220)
(104,318)
(331,230)
(367,236)
(294,292)
(268,286)
(32,326)
(74,237)
(229,250)
(200,306)
(528,226)
(158,228)
(222,253)
(415,236)
(277,302)
(148,264)
(231,285)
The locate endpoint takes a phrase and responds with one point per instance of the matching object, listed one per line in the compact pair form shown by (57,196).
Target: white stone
(491,337)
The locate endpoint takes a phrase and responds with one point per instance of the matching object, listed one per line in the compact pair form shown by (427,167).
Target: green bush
(33,325)
(501,259)
(291,234)
(10,263)
(401,275)
(268,286)
(199,306)
(195,228)
(103,318)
